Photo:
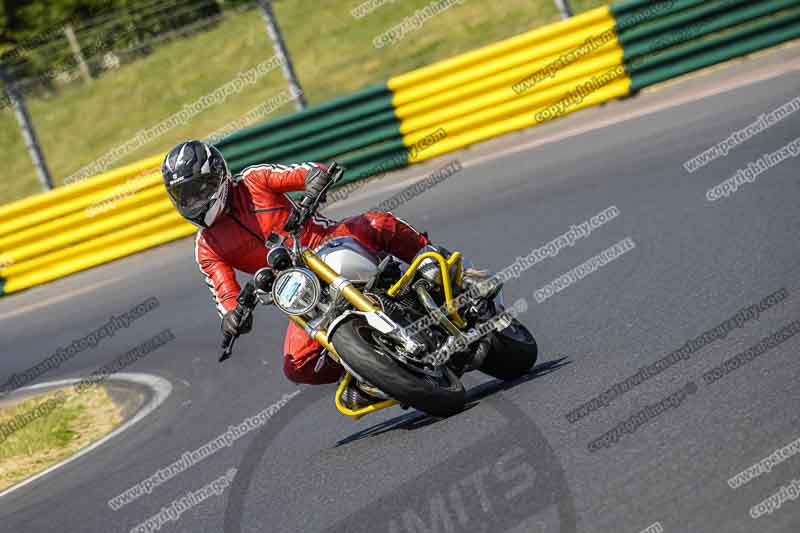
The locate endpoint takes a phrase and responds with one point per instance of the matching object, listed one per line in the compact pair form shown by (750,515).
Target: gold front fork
(318,335)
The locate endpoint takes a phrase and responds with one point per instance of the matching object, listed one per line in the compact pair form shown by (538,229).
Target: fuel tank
(349,258)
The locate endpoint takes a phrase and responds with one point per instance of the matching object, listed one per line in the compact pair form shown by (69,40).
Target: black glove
(316,180)
(233,325)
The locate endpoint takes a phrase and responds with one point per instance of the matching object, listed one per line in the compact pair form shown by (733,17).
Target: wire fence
(49,61)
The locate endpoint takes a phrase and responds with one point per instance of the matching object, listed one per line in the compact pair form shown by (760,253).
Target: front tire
(355,344)
(512,354)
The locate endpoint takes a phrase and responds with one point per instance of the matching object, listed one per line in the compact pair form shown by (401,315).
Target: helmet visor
(194,195)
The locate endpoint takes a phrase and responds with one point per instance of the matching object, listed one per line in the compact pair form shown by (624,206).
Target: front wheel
(362,349)
(513,352)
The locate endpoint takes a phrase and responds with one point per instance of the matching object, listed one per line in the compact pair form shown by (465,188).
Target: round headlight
(296,291)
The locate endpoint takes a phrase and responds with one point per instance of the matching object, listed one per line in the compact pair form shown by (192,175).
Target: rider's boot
(486,284)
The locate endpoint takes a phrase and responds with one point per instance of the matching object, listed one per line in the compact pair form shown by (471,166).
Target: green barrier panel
(347,146)
(392,157)
(746,41)
(379,91)
(2,286)
(304,130)
(374,154)
(704,27)
(277,151)
(372,162)
(386,119)
(365,140)
(676,19)
(631,14)
(623,6)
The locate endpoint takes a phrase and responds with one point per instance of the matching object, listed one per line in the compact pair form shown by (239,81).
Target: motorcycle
(404,332)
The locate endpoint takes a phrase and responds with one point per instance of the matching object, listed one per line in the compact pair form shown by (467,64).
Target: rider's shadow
(417,419)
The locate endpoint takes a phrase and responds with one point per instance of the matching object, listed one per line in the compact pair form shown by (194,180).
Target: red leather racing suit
(257,207)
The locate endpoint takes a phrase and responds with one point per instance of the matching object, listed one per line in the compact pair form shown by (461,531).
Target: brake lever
(227,346)
(293,222)
(245,302)
(229,340)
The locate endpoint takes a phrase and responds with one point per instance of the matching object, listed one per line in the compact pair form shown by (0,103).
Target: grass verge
(71,421)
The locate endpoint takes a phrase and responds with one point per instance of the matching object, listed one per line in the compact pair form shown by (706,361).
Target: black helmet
(198,181)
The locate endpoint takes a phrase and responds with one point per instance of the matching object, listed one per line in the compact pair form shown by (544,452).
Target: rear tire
(512,354)
(352,340)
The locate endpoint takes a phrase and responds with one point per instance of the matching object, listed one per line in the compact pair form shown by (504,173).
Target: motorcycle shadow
(416,419)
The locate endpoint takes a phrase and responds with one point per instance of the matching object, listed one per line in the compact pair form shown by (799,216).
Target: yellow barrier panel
(89,231)
(509,79)
(525,40)
(41,202)
(81,218)
(103,254)
(596,38)
(495,104)
(66,207)
(161,223)
(614,90)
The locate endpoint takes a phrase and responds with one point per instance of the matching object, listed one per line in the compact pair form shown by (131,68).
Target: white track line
(160,386)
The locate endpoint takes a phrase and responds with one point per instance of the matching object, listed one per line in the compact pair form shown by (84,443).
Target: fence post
(76,51)
(26,126)
(564,8)
(283,55)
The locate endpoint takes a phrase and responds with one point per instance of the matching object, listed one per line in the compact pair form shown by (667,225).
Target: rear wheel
(362,349)
(513,353)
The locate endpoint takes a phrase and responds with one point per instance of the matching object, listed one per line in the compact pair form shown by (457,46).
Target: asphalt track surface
(511,461)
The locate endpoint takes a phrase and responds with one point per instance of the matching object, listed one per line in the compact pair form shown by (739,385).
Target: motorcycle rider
(236,215)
